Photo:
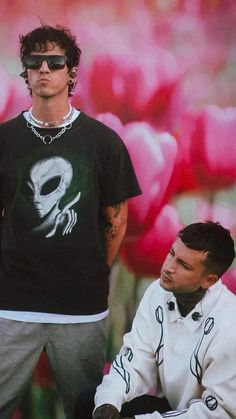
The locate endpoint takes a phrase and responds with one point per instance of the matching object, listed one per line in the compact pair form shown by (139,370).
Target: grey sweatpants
(76,354)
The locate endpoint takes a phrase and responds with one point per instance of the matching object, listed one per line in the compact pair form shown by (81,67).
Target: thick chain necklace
(48,139)
(52,124)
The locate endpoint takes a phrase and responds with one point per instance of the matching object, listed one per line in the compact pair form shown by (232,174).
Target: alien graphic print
(49,180)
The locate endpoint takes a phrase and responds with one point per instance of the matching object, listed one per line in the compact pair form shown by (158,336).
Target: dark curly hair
(215,240)
(38,39)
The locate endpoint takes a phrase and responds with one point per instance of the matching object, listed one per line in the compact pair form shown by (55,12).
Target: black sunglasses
(54,62)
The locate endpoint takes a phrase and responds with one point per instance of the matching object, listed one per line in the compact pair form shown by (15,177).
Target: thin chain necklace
(52,124)
(48,139)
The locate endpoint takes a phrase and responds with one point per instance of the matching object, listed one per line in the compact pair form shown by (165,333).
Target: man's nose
(44,67)
(171,265)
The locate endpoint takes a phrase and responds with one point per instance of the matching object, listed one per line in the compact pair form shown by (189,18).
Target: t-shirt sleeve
(119,181)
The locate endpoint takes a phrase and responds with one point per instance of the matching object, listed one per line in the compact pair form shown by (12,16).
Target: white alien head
(49,180)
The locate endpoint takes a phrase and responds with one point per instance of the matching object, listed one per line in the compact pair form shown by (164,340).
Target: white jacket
(193,361)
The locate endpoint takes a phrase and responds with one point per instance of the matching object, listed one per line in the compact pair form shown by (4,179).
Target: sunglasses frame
(50,59)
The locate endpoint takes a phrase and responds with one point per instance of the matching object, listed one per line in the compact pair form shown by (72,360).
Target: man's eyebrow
(183,262)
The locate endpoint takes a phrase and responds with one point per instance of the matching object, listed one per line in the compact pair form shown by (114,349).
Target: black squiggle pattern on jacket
(195,366)
(119,367)
(159,317)
(174,413)
(211,402)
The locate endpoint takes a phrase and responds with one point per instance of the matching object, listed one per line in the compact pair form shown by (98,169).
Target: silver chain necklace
(48,139)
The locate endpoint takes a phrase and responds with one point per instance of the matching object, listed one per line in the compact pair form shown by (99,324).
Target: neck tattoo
(187,301)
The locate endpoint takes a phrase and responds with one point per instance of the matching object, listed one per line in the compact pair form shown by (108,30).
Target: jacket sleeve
(134,369)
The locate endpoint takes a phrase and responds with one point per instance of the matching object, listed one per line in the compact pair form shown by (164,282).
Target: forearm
(116,219)
(113,243)
(134,369)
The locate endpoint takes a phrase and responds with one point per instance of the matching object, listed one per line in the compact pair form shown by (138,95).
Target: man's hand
(106,411)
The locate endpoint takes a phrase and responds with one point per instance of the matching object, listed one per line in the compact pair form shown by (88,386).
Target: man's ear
(24,75)
(209,280)
(73,72)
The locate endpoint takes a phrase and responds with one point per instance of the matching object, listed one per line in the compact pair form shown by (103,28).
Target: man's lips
(165,277)
(43,79)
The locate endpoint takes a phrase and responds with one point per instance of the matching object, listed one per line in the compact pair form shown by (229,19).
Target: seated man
(182,338)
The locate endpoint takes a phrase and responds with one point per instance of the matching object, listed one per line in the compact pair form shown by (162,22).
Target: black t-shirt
(53,252)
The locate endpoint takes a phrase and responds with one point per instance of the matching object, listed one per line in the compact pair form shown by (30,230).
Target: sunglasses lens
(32,61)
(54,62)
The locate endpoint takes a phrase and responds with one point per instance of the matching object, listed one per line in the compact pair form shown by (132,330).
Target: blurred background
(162,74)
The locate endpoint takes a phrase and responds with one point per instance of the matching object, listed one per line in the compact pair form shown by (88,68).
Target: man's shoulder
(9,130)
(224,294)
(11,123)
(96,126)
(229,301)
(224,309)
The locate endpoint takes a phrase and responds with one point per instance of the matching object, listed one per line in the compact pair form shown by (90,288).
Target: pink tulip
(106,368)
(111,121)
(213,148)
(217,212)
(14,97)
(145,256)
(206,151)
(153,155)
(5,97)
(183,177)
(132,85)
(42,373)
(229,279)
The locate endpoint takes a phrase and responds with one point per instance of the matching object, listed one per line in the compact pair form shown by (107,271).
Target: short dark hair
(38,39)
(213,238)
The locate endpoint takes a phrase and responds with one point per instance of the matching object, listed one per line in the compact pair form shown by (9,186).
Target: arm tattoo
(111,231)
(117,208)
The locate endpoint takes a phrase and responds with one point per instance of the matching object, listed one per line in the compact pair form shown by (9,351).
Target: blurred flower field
(162,73)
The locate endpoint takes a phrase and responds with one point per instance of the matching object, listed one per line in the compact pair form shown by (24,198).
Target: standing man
(64,179)
(182,339)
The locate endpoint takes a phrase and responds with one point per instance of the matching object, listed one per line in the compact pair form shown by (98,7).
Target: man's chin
(165,284)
